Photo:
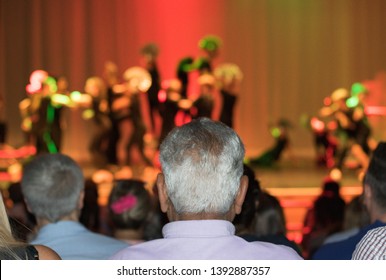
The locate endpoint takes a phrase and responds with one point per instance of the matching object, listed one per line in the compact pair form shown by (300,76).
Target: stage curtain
(292,53)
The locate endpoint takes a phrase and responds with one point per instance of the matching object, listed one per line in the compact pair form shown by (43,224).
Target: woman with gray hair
(202,188)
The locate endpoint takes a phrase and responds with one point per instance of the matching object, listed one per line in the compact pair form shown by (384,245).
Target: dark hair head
(247,216)
(375,176)
(129,204)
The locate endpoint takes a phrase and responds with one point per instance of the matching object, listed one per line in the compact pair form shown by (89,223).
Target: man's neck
(73,216)
(129,234)
(379,217)
(199,216)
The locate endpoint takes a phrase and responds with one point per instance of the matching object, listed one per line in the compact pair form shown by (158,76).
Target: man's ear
(367,194)
(81,200)
(162,194)
(28,207)
(239,200)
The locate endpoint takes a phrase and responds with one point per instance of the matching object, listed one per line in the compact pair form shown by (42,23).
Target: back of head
(375,176)
(245,220)
(329,205)
(355,215)
(331,188)
(202,162)
(329,211)
(270,218)
(129,204)
(51,185)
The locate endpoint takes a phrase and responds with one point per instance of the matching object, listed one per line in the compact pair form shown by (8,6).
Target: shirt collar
(198,228)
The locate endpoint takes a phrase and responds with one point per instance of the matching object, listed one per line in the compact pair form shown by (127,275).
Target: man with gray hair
(53,187)
(202,188)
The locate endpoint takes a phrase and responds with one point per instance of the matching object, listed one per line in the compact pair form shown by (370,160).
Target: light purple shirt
(204,240)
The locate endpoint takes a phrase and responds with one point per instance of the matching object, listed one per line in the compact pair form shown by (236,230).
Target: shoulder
(142,251)
(372,245)
(272,251)
(340,250)
(46,253)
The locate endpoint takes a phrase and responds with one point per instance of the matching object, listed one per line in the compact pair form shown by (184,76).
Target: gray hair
(51,185)
(202,162)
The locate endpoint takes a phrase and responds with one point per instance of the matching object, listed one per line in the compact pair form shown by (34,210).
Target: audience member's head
(331,187)
(90,212)
(355,214)
(244,222)
(270,219)
(129,208)
(374,192)
(329,212)
(53,187)
(202,172)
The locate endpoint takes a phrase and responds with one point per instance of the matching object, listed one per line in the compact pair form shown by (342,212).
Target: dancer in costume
(171,103)
(96,109)
(272,155)
(229,77)
(347,126)
(131,111)
(149,54)
(42,113)
(210,46)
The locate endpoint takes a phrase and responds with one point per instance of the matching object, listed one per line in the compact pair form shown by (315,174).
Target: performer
(29,106)
(111,77)
(171,103)
(132,114)
(229,77)
(149,54)
(210,47)
(357,102)
(184,67)
(272,155)
(347,128)
(94,100)
(42,112)
(207,103)
(324,142)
